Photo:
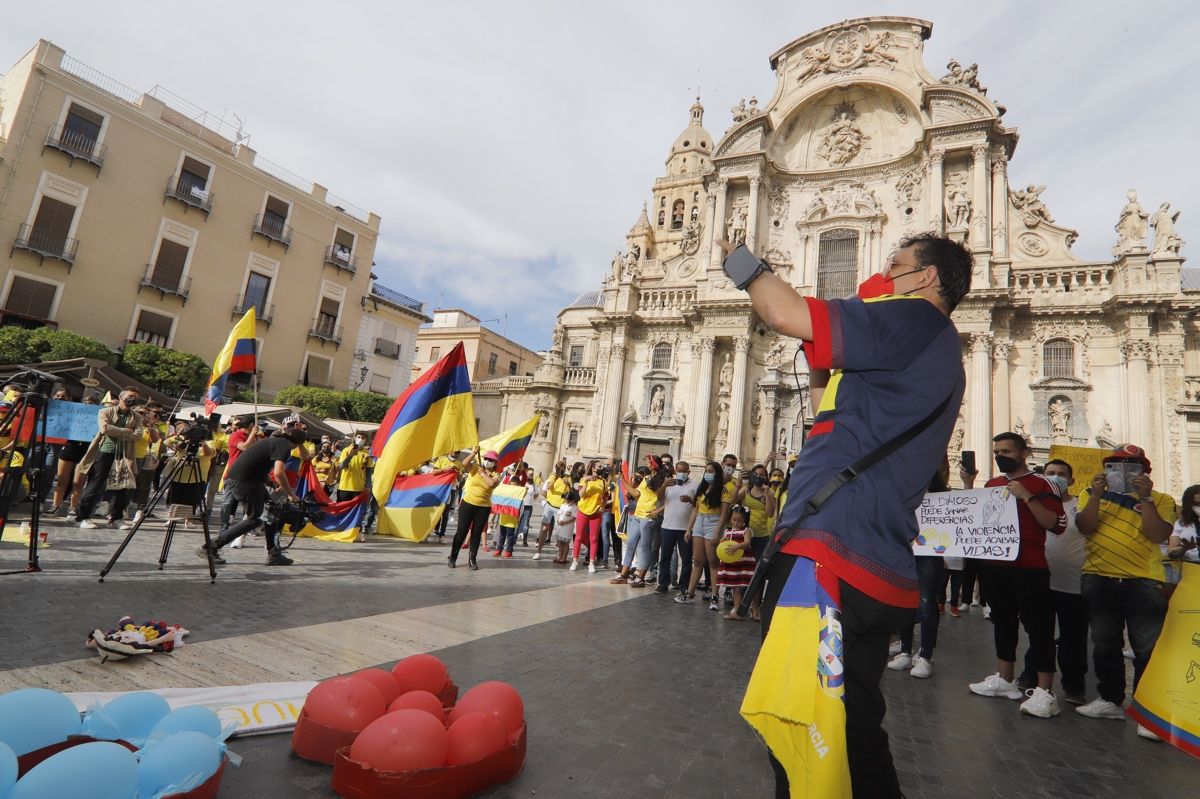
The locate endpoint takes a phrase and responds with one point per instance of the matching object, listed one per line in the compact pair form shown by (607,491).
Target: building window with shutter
(837,264)
(492,363)
(661,358)
(576,356)
(30,303)
(153,328)
(573,440)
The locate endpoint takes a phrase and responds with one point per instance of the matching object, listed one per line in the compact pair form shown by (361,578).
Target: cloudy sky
(509,146)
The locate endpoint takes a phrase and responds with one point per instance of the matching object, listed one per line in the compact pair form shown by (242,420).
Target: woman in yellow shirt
(476,505)
(592,488)
(640,527)
(554,491)
(710,503)
(759,498)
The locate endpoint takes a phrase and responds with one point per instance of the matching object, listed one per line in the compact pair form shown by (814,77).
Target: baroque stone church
(860,146)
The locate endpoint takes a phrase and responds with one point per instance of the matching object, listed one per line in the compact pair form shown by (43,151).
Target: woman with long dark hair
(1182,543)
(475,507)
(592,487)
(709,505)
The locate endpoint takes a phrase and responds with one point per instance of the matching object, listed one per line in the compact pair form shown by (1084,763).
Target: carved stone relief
(846,51)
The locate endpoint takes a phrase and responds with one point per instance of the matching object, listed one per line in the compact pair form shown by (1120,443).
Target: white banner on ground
(256,709)
(977,523)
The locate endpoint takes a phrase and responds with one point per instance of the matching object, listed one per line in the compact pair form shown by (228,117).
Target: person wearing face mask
(1065,555)
(352,469)
(1018,591)
(554,490)
(1184,535)
(710,503)
(647,496)
(676,513)
(475,507)
(112,448)
(1124,520)
(592,488)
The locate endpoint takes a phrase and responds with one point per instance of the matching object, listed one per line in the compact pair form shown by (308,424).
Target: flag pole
(256,396)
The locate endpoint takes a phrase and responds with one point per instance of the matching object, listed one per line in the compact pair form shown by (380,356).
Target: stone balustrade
(1059,285)
(666,301)
(1191,389)
(579,376)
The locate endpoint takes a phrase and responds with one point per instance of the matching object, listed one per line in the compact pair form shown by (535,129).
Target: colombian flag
(342,520)
(238,355)
(794,699)
(620,500)
(507,500)
(415,505)
(511,444)
(1166,698)
(433,416)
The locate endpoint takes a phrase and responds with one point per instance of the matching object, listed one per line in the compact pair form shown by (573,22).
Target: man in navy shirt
(879,363)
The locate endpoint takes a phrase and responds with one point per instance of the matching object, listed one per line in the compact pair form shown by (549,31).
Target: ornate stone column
(1136,353)
(752,212)
(937,189)
(610,417)
(718,228)
(979,414)
(999,214)
(710,215)
(1001,412)
(697,427)
(981,235)
(737,400)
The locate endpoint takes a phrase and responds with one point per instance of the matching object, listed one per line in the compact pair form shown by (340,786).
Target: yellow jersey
(353,464)
(647,501)
(759,523)
(704,508)
(475,490)
(1118,548)
(557,492)
(591,495)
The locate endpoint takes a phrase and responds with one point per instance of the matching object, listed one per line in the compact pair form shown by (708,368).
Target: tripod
(191,463)
(26,419)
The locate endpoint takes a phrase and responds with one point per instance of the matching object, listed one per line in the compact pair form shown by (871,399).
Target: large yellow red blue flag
(433,416)
(415,505)
(240,354)
(512,443)
(1167,699)
(795,696)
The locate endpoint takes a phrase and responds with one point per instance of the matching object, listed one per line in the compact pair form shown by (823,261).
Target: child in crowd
(564,524)
(736,575)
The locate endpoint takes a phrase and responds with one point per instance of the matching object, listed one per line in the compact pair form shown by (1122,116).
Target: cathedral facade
(860,146)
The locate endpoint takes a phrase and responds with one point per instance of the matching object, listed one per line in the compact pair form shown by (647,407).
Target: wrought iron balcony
(76,145)
(46,244)
(388,349)
(262,311)
(272,230)
(190,194)
(325,329)
(340,258)
(166,284)
(14,319)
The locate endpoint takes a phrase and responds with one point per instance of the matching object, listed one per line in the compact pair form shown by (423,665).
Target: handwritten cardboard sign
(978,523)
(72,421)
(1086,462)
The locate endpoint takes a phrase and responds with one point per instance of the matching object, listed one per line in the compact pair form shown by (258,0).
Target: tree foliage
(360,406)
(19,345)
(166,370)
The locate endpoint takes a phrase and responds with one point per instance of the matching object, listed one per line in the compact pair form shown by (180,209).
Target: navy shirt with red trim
(893,360)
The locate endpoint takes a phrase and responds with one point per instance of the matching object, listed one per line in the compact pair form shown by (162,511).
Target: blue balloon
(194,719)
(8,769)
(97,770)
(177,764)
(132,715)
(35,717)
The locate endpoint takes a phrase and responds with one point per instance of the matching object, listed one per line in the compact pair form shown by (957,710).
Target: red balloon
(497,698)
(407,740)
(419,700)
(421,673)
(473,737)
(345,703)
(382,680)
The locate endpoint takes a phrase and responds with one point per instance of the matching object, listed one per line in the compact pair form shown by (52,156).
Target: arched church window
(677,215)
(695,212)
(661,358)
(662,202)
(662,217)
(837,263)
(573,440)
(695,196)
(1058,358)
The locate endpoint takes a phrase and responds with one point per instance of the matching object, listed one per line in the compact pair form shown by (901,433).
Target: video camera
(293,515)
(33,380)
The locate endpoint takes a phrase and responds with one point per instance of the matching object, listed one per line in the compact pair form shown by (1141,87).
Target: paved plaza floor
(627,693)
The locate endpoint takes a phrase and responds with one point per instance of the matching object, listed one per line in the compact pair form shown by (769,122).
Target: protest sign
(977,523)
(72,421)
(1086,462)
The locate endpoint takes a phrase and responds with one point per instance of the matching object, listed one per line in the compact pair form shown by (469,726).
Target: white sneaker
(987,612)
(591,567)
(137,517)
(88,524)
(894,649)
(921,668)
(537,556)
(996,686)
(1127,653)
(964,608)
(1101,709)
(1147,734)
(900,662)
(238,542)
(1041,703)
(574,565)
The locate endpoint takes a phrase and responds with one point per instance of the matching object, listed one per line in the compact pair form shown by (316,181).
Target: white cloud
(509,146)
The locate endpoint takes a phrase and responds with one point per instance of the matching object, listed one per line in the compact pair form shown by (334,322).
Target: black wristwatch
(743,268)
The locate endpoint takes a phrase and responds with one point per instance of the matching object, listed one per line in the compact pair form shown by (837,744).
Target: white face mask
(1059,481)
(358,442)
(1196,509)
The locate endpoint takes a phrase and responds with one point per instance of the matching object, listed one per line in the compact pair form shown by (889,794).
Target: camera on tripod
(293,515)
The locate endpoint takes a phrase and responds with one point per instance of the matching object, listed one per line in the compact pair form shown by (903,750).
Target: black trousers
(1020,597)
(1071,613)
(97,484)
(472,520)
(253,497)
(867,628)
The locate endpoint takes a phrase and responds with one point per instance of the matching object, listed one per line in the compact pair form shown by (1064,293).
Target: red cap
(1130,452)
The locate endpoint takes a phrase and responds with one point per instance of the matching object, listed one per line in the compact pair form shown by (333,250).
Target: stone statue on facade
(1166,241)
(1019,429)
(774,356)
(1131,227)
(957,76)
(958,202)
(680,416)
(630,414)
(842,140)
(1029,202)
(629,262)
(737,226)
(656,402)
(782,440)
(690,243)
(544,426)
(743,111)
(725,378)
(722,423)
(556,339)
(1060,420)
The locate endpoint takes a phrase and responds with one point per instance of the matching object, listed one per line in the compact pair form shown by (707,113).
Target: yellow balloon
(727,553)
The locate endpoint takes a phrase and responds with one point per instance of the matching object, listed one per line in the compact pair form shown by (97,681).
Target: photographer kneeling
(247,479)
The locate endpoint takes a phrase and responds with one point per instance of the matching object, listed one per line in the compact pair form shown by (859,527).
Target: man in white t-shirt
(1065,555)
(676,511)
